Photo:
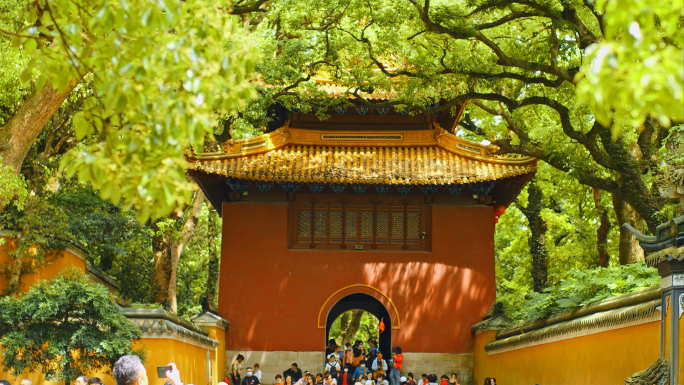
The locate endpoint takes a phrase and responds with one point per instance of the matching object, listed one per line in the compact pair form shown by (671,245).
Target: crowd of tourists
(128,370)
(354,364)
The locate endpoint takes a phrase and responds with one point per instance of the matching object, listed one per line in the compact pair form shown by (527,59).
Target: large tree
(587,87)
(558,80)
(163,74)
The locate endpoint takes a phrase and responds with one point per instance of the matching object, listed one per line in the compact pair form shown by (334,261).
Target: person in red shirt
(445,380)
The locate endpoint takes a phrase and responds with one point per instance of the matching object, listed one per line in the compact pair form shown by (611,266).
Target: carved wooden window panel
(396,225)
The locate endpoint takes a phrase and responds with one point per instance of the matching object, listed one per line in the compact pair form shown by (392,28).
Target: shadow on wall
(445,293)
(439,294)
(426,294)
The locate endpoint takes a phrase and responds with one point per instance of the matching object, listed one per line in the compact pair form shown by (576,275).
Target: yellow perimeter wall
(64,259)
(190,359)
(602,358)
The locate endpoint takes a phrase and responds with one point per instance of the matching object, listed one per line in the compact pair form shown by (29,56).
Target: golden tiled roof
(377,165)
(393,157)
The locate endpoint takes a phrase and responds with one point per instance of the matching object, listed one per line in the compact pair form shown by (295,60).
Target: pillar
(672,323)
(216,326)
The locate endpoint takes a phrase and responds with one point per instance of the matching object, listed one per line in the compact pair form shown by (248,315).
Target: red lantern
(499,210)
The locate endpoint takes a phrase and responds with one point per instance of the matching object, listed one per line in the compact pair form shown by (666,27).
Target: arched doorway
(361,301)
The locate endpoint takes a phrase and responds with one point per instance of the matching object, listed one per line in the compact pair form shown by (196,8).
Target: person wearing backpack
(379,366)
(333,366)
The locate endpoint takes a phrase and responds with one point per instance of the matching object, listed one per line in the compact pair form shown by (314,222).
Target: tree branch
(254,7)
(469,125)
(505,147)
(564,113)
(587,37)
(508,61)
(510,17)
(504,59)
(525,79)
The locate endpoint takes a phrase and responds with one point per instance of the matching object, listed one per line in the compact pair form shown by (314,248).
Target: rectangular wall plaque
(672,280)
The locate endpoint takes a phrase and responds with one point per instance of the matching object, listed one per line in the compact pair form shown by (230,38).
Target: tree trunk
(178,245)
(161,251)
(629,248)
(634,192)
(537,239)
(214,228)
(602,231)
(15,274)
(350,327)
(19,134)
(212,278)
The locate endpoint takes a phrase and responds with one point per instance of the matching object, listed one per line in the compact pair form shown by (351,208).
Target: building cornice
(158,323)
(621,311)
(210,319)
(288,136)
(592,324)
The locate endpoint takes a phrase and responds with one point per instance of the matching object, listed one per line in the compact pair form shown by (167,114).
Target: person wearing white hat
(403,380)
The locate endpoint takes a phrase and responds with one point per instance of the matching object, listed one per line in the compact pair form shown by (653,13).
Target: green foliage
(571,219)
(64,327)
(162,77)
(672,154)
(580,287)
(12,62)
(114,240)
(637,70)
(12,185)
(368,327)
(164,73)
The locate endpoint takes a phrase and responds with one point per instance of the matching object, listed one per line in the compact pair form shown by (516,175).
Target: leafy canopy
(539,76)
(64,327)
(164,73)
(636,71)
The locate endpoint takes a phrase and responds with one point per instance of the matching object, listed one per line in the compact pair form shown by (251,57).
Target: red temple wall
(272,296)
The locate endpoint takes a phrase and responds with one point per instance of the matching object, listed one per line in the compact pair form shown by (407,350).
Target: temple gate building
(370,209)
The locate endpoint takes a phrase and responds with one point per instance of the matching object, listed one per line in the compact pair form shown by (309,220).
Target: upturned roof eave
(287,136)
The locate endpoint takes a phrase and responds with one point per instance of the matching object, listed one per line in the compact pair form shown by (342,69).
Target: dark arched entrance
(360,301)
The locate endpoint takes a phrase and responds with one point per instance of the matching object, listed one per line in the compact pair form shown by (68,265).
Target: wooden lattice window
(396,225)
